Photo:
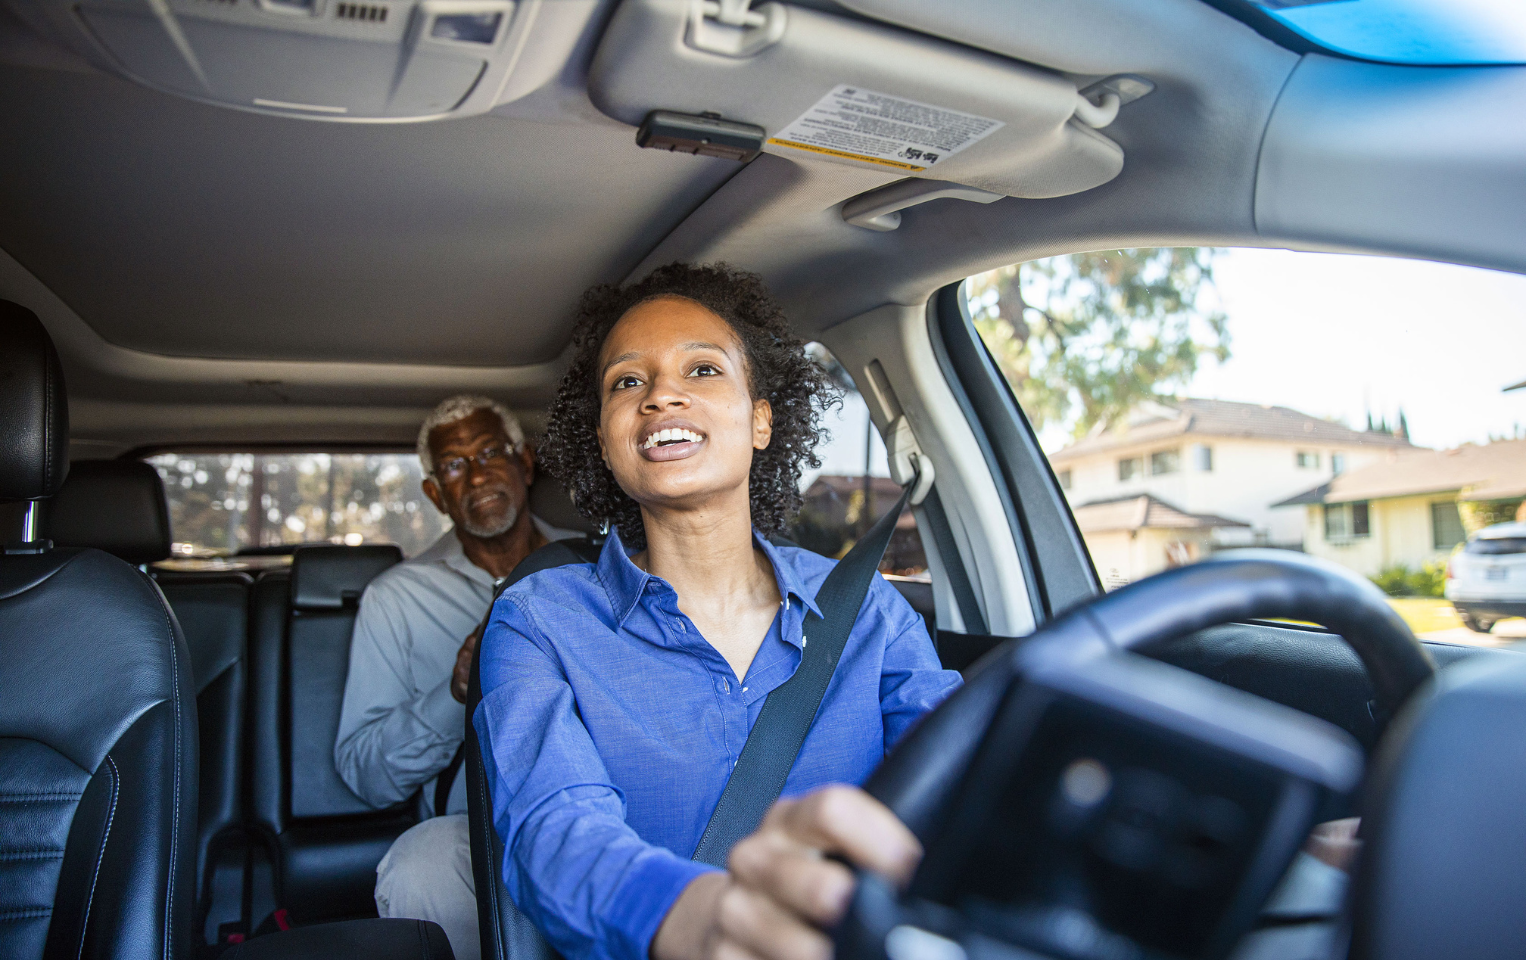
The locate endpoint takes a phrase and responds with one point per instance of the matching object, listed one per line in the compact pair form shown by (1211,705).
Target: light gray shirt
(399,726)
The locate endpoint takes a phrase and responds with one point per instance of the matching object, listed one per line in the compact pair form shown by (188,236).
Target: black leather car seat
(119,506)
(97,715)
(326,842)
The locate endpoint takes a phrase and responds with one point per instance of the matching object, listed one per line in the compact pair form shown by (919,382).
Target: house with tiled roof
(1132,536)
(1412,506)
(1213,458)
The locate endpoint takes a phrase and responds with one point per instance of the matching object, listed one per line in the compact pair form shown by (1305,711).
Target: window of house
(1064,479)
(1346,521)
(1202,458)
(1241,360)
(222,504)
(1165,461)
(1446,525)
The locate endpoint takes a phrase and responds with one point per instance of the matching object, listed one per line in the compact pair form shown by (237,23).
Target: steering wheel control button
(1086,783)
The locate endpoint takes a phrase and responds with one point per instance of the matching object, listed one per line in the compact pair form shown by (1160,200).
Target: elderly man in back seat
(403,718)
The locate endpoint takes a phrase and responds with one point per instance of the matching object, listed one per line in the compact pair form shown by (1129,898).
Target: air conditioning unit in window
(355,60)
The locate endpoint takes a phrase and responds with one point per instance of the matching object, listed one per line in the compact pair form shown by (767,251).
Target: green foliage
(1083,338)
(1399,580)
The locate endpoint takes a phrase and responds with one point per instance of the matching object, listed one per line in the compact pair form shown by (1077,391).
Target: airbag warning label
(852,123)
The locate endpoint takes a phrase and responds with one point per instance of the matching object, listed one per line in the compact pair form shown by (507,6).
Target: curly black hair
(778,370)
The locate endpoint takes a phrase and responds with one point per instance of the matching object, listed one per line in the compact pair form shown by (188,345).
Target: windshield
(1421,32)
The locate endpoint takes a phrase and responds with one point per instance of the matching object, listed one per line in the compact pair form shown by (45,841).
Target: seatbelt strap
(774,743)
(554,554)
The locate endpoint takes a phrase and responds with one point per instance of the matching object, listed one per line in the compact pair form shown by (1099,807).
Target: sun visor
(367,60)
(826,89)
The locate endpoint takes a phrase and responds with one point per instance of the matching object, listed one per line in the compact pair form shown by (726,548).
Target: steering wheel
(1040,708)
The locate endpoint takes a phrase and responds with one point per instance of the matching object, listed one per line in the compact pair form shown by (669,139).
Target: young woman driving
(617,696)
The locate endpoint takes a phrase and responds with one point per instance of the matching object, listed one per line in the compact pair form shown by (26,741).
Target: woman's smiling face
(677,421)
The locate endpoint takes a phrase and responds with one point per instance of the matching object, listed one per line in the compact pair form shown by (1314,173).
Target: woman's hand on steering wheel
(783,888)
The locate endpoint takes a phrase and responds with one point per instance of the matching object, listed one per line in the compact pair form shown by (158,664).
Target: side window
(225,504)
(1194,400)
(852,487)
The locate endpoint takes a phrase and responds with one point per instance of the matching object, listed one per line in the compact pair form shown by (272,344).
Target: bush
(1394,580)
(1430,580)
(1400,581)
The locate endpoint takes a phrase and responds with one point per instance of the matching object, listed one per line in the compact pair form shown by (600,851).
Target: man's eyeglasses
(454,468)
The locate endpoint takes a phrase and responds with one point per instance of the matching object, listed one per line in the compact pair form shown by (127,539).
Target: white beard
(510,517)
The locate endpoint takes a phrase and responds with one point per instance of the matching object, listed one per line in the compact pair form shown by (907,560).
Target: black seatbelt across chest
(777,736)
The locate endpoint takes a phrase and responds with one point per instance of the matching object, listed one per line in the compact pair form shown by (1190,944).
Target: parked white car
(1486,580)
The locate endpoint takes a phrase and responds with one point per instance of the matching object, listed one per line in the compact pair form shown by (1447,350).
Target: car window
(223,504)
(1371,411)
(852,487)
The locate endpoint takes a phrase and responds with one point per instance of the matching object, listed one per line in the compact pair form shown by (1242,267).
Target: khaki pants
(427,875)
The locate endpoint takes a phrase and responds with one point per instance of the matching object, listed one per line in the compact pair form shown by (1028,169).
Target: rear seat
(326,841)
(119,506)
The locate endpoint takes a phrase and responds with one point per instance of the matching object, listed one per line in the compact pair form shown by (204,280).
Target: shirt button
(725,686)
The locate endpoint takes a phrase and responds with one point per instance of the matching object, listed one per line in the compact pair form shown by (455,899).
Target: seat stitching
(29,797)
(17,855)
(169,909)
(47,416)
(30,913)
(111,815)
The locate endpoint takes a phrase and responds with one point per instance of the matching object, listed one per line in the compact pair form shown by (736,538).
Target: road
(1505,632)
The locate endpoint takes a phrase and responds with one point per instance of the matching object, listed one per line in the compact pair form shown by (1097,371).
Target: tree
(1085,337)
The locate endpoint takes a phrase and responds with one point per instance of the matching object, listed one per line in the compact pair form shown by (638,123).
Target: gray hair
(460,407)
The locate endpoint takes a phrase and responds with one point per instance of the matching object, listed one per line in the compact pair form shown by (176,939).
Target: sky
(1334,335)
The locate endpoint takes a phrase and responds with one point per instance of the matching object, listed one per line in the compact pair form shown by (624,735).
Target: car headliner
(217,276)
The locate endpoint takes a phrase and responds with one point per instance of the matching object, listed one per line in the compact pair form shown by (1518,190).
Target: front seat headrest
(34,410)
(325,577)
(549,501)
(112,505)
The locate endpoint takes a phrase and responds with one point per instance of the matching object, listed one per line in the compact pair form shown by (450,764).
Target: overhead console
(347,60)
(826,89)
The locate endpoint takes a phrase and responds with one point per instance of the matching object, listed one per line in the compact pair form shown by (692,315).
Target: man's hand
(463,672)
(781,889)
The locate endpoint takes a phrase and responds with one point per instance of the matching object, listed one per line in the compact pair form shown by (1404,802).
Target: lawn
(1426,614)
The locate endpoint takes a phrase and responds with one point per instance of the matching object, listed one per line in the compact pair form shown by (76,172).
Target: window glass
(852,487)
(1202,458)
(1423,32)
(223,504)
(1446,525)
(1064,477)
(1165,461)
(1242,361)
(1497,547)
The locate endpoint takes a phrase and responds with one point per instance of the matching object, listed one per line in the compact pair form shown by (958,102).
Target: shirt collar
(786,574)
(624,582)
(453,556)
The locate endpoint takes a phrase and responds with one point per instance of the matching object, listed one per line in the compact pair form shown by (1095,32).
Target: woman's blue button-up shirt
(609,727)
